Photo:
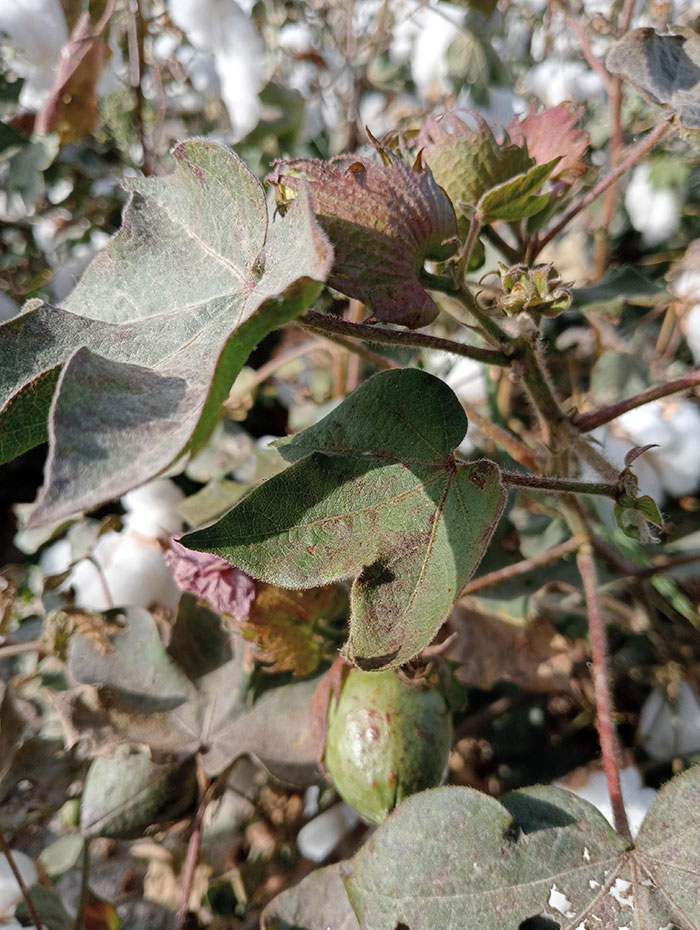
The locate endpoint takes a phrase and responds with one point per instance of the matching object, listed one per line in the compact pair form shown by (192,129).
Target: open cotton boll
(38,30)
(638,799)
(132,572)
(224,30)
(666,729)
(10,892)
(423,40)
(151,510)
(655,213)
(692,331)
(557,80)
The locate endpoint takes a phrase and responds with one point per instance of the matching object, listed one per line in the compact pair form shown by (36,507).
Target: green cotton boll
(386,739)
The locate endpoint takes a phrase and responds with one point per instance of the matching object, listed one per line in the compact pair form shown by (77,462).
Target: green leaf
(147,346)
(60,857)
(621,286)
(376,492)
(469,862)
(499,180)
(127,792)
(633,514)
(517,198)
(666,68)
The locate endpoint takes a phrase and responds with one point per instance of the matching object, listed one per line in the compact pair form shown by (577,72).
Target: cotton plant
(654,212)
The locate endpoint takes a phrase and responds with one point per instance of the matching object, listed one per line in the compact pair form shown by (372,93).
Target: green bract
(386,739)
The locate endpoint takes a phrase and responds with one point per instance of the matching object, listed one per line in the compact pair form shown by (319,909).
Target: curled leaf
(384,221)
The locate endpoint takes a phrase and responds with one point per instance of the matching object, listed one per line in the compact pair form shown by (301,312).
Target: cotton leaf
(132,371)
(666,68)
(498,180)
(469,862)
(384,221)
(376,492)
(553,133)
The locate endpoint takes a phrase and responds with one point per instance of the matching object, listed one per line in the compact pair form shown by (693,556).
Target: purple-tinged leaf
(224,587)
(384,220)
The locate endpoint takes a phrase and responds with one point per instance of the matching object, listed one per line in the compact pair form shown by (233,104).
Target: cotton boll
(555,81)
(652,212)
(131,572)
(223,30)
(423,40)
(670,729)
(152,509)
(10,892)
(692,332)
(636,797)
(38,29)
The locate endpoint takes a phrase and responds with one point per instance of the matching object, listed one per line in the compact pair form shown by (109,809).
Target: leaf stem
(637,152)
(601,686)
(559,485)
(324,324)
(521,568)
(472,236)
(589,421)
(191,860)
(28,900)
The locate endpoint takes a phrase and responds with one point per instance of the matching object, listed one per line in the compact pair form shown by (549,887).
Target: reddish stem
(601,687)
(31,907)
(634,156)
(521,568)
(589,421)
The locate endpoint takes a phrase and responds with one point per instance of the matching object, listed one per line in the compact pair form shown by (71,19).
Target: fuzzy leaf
(384,221)
(469,862)
(499,180)
(148,344)
(376,492)
(664,67)
(553,133)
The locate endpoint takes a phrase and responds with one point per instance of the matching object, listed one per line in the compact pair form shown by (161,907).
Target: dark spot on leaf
(539,922)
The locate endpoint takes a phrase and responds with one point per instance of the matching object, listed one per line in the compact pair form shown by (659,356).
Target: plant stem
(491,330)
(601,686)
(31,907)
(472,236)
(521,568)
(321,323)
(639,150)
(18,649)
(552,419)
(191,859)
(559,485)
(357,348)
(513,446)
(79,923)
(589,421)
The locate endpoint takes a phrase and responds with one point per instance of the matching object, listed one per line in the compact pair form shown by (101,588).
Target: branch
(601,686)
(559,485)
(521,568)
(589,421)
(636,153)
(324,324)
(515,448)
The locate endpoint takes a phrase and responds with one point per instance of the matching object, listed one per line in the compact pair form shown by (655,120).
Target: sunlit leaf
(553,133)
(148,344)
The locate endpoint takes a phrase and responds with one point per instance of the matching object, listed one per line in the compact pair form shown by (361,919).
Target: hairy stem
(521,568)
(472,236)
(601,686)
(638,152)
(31,907)
(589,421)
(321,323)
(559,485)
